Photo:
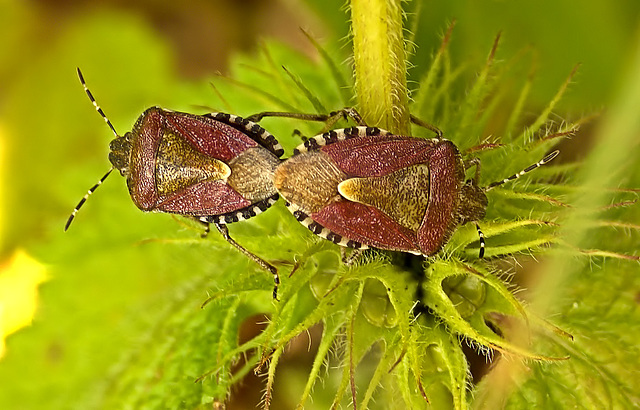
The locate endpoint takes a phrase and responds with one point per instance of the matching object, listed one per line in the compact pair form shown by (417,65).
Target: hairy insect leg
(473,162)
(349,112)
(330,119)
(205,225)
(224,231)
(345,113)
(300,116)
(426,125)
(350,258)
(299,134)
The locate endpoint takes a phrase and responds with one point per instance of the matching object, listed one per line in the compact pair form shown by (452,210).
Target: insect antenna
(84,199)
(530,168)
(482,243)
(93,188)
(492,185)
(95,104)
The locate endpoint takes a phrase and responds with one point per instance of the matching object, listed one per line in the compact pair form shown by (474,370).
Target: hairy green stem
(380,63)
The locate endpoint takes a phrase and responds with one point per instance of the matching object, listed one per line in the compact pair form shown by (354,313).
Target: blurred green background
(53,146)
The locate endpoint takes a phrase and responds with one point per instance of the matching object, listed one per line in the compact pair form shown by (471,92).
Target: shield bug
(215,168)
(364,187)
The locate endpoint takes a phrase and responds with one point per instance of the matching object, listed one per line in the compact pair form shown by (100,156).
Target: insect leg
(349,259)
(473,162)
(330,119)
(205,224)
(222,228)
(426,125)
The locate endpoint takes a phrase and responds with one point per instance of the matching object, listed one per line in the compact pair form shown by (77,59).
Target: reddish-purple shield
(364,187)
(216,167)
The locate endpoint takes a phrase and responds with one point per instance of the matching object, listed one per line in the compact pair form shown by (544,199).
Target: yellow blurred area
(3,172)
(20,276)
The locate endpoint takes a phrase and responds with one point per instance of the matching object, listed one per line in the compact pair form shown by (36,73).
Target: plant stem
(380,63)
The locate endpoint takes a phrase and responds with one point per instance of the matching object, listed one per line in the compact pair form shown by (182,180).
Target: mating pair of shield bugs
(359,187)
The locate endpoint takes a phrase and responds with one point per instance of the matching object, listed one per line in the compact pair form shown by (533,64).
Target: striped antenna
(84,199)
(482,244)
(93,188)
(95,104)
(530,168)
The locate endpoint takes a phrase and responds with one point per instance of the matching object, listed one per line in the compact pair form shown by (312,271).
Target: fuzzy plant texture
(388,331)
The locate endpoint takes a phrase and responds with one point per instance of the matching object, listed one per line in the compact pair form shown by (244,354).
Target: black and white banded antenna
(548,158)
(530,168)
(482,244)
(93,188)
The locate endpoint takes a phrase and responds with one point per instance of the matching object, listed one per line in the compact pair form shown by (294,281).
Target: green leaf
(121,323)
